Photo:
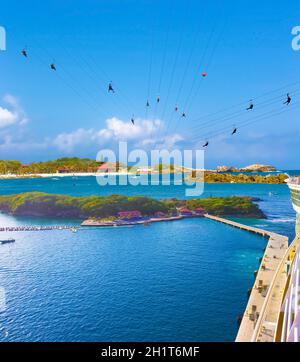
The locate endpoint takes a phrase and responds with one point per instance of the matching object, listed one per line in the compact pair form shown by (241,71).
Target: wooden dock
(276,250)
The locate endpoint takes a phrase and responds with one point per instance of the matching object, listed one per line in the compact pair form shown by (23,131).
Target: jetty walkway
(38,228)
(260,317)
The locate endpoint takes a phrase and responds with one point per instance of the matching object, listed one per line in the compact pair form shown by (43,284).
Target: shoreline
(54,175)
(119,223)
(186,177)
(96,174)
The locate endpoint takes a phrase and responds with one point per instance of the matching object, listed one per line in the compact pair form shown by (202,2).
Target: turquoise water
(185,280)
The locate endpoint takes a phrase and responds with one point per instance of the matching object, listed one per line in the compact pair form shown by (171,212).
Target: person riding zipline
(110,88)
(251,106)
(288,100)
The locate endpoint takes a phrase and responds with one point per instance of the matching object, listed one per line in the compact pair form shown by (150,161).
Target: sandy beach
(75,174)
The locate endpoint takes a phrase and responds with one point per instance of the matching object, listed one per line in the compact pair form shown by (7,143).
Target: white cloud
(14,114)
(69,141)
(10,144)
(169,141)
(7,117)
(119,130)
(12,100)
(143,132)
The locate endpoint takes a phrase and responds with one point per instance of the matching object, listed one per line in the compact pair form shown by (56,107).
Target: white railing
(290,306)
(273,285)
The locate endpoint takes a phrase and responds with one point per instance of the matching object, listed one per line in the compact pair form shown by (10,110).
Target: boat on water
(7,241)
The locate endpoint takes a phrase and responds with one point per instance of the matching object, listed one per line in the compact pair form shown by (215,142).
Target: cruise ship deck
(278,317)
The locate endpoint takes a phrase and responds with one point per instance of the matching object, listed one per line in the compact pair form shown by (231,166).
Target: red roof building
(185,211)
(106,167)
(24,168)
(200,211)
(129,214)
(103,168)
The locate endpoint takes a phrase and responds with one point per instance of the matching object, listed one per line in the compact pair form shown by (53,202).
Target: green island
(103,207)
(214,177)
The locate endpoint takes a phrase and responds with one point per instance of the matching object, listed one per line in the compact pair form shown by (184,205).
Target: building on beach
(129,214)
(25,168)
(105,168)
(199,211)
(63,170)
(184,211)
(111,167)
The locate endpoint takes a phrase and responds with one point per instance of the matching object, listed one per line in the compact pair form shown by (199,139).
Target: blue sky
(150,48)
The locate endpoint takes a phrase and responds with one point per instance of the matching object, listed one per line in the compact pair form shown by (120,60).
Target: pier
(262,311)
(38,228)
(237,225)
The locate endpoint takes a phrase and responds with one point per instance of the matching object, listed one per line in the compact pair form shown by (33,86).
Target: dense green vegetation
(10,167)
(42,204)
(69,164)
(214,177)
(235,206)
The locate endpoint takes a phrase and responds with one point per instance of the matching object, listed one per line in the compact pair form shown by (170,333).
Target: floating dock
(38,228)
